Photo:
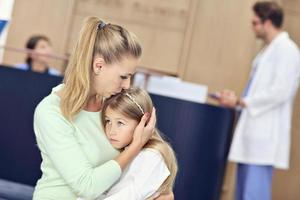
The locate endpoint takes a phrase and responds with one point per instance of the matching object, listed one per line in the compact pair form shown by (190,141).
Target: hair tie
(101,25)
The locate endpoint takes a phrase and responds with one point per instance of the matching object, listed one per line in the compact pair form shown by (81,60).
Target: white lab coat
(263,132)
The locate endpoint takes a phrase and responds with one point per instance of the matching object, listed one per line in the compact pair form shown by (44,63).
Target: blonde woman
(76,159)
(154,169)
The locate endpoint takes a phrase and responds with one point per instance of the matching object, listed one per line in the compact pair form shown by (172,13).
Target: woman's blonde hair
(133,103)
(111,42)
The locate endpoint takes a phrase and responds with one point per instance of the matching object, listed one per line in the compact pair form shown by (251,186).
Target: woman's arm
(169,196)
(62,153)
(142,179)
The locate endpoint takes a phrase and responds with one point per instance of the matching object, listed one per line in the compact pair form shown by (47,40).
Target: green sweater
(77,157)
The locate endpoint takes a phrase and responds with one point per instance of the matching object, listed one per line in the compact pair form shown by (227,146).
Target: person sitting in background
(38,60)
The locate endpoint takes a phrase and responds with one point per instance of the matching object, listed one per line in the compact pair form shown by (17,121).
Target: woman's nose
(126,84)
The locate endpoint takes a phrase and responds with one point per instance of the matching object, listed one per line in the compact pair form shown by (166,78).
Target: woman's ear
(97,65)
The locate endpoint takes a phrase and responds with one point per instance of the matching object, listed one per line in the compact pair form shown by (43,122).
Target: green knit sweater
(76,157)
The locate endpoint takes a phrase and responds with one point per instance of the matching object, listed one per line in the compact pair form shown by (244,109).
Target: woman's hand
(144,130)
(168,196)
(141,135)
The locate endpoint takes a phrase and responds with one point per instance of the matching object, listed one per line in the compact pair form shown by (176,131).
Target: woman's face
(110,79)
(42,47)
(119,129)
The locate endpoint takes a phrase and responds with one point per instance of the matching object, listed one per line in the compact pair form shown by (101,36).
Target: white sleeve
(146,174)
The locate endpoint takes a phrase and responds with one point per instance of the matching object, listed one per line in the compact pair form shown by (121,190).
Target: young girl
(154,170)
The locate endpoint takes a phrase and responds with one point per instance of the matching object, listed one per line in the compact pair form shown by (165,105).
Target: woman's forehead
(128,64)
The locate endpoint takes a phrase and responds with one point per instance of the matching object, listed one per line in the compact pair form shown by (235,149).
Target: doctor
(262,136)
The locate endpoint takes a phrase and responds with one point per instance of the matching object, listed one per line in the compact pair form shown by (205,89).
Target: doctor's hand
(227,98)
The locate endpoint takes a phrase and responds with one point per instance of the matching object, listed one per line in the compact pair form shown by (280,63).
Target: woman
(77,160)
(37,61)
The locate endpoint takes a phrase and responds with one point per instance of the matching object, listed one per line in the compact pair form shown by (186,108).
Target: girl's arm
(142,179)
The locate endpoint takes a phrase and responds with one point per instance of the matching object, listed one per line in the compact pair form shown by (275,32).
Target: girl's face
(110,79)
(119,128)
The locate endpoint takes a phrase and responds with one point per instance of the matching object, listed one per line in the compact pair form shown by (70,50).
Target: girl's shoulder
(147,168)
(150,151)
(148,154)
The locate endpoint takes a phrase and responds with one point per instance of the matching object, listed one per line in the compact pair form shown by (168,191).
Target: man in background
(261,140)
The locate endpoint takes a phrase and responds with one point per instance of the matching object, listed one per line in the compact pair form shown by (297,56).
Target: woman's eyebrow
(125,75)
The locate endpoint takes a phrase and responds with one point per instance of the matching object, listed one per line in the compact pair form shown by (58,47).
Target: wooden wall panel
(286,183)
(222,45)
(51,18)
(292,24)
(290,5)
(159,25)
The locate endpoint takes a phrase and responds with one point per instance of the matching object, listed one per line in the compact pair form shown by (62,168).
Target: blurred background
(206,42)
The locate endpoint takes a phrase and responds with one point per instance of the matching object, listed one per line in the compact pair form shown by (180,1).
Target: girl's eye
(120,123)
(107,121)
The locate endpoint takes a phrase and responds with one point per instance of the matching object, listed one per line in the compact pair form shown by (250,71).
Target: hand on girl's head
(144,130)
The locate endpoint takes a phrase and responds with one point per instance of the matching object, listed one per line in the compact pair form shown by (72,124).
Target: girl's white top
(141,179)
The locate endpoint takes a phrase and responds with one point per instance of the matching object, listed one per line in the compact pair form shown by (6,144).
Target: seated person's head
(41,45)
